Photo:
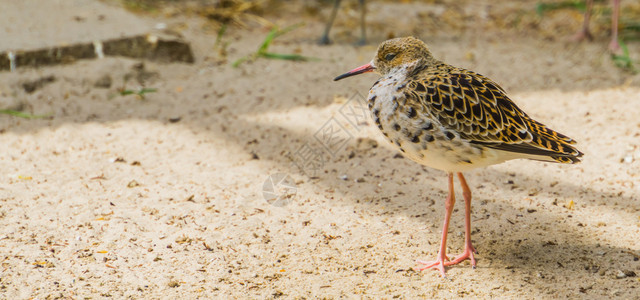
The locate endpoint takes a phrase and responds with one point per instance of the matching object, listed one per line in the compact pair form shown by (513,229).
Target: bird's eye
(389,56)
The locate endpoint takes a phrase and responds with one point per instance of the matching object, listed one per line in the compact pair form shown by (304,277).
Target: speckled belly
(421,137)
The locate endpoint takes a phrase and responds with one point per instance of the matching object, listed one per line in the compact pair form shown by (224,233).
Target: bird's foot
(614,47)
(444,261)
(468,253)
(324,40)
(581,36)
(438,264)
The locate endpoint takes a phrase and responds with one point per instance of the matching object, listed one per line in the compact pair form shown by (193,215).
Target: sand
(164,197)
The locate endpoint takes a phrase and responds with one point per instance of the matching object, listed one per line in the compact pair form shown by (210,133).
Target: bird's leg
(363,11)
(468,247)
(324,40)
(584,32)
(439,263)
(614,46)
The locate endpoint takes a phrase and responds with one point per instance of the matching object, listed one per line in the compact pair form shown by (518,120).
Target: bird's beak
(359,70)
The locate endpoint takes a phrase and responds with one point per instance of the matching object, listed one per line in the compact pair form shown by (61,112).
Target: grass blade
(288,29)
(20,114)
(221,32)
(294,57)
(541,8)
(267,41)
(236,63)
(262,50)
(623,60)
(141,92)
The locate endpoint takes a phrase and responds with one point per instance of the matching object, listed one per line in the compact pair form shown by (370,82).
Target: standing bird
(454,120)
(585,33)
(324,40)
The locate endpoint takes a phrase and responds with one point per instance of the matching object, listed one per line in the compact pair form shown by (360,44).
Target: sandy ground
(163,197)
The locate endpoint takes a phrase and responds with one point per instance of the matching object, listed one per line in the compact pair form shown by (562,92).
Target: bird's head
(406,52)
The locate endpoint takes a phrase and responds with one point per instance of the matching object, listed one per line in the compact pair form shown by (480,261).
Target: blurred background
(142,143)
(551,21)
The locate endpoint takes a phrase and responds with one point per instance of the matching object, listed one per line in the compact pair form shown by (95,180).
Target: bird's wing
(481,112)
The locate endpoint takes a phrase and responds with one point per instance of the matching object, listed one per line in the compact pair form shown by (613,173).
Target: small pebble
(103,82)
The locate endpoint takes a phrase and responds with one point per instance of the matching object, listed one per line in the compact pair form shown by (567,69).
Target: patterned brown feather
(481,112)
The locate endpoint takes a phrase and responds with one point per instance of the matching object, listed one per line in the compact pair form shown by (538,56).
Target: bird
(454,120)
(324,40)
(585,33)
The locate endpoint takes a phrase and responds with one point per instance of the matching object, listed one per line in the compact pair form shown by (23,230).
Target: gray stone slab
(39,33)
(36,24)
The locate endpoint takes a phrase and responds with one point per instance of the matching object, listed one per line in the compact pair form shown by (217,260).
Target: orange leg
(439,263)
(468,247)
(442,260)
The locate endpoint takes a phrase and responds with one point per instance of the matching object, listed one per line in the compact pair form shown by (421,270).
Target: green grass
(141,92)
(20,114)
(144,6)
(630,30)
(623,60)
(221,45)
(221,33)
(541,8)
(264,47)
